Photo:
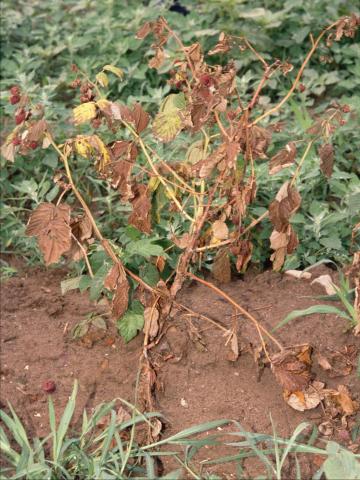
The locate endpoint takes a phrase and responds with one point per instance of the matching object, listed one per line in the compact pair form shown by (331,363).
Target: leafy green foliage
(103,447)
(41,40)
(132,321)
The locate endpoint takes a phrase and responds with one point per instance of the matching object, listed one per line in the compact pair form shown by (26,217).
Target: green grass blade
(292,440)
(65,420)
(188,432)
(108,438)
(315,309)
(52,421)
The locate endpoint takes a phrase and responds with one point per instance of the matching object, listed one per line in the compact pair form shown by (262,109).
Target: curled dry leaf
(284,158)
(182,242)
(223,45)
(158,59)
(283,243)
(326,154)
(151,321)
(220,231)
(140,217)
(342,400)
(286,203)
(234,345)
(50,224)
(326,282)
(221,268)
(123,155)
(36,131)
(116,280)
(308,399)
(242,249)
(292,368)
(81,229)
(339,363)
(298,274)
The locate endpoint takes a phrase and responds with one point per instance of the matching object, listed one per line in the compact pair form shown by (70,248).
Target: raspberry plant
(201,200)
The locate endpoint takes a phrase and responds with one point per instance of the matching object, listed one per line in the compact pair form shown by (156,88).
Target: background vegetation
(40,41)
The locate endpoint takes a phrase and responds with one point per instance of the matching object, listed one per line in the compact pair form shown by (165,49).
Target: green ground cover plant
(106,446)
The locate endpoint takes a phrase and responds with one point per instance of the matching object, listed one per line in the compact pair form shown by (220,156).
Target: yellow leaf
(104,158)
(82,146)
(102,79)
(167,125)
(153,184)
(84,112)
(117,71)
(103,104)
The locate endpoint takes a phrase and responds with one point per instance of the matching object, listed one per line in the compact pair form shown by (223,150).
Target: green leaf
(97,282)
(131,322)
(145,248)
(150,274)
(84,283)
(316,309)
(174,101)
(331,242)
(342,464)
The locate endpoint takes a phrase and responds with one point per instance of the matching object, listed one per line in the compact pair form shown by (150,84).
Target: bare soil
(199,381)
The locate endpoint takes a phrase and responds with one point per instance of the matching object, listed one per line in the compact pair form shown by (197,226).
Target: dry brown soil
(199,382)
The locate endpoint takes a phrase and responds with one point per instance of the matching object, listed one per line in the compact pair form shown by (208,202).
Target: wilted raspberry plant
(210,189)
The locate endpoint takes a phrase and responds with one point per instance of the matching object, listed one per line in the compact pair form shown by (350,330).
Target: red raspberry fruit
(14,99)
(33,145)
(16,141)
(20,117)
(14,90)
(49,386)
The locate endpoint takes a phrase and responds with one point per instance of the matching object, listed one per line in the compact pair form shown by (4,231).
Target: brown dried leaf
(37,130)
(286,203)
(120,299)
(157,61)
(114,277)
(243,251)
(8,151)
(182,242)
(140,217)
(284,158)
(234,345)
(119,171)
(343,399)
(50,224)
(141,118)
(151,321)
(144,31)
(221,268)
(291,368)
(326,154)
(81,229)
(308,399)
(223,45)
(220,231)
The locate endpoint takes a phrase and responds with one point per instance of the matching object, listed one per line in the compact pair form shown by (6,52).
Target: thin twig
(236,305)
(232,240)
(155,170)
(297,79)
(91,273)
